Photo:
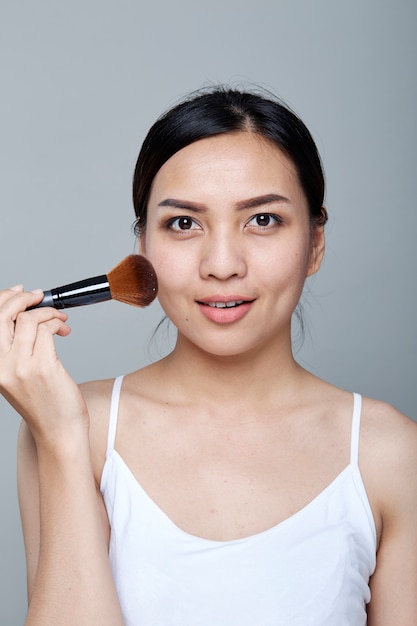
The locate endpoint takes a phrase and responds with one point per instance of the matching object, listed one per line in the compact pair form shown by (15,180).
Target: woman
(223,484)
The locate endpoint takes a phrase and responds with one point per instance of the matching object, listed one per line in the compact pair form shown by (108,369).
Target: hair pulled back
(224,110)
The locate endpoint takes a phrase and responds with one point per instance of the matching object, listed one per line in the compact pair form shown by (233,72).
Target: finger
(38,362)
(44,344)
(12,301)
(5,294)
(27,328)
(33,355)
(15,300)
(64,331)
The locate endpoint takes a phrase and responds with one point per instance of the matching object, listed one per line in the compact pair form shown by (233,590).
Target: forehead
(242,159)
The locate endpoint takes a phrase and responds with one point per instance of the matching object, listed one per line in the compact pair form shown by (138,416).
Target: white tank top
(312,569)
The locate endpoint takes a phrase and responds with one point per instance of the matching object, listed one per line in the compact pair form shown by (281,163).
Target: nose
(223,257)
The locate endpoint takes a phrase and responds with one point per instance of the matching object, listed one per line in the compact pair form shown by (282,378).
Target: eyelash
(170,223)
(276,219)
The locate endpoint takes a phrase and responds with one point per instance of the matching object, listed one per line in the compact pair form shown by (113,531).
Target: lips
(225,305)
(225,309)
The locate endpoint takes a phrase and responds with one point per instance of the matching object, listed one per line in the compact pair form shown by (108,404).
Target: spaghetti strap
(356,425)
(114,410)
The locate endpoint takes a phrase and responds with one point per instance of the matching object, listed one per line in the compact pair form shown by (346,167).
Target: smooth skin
(227,434)
(69,576)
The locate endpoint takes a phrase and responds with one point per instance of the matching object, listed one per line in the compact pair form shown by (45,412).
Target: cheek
(173,270)
(172,259)
(285,265)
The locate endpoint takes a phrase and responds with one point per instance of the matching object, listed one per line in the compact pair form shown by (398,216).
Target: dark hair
(225,110)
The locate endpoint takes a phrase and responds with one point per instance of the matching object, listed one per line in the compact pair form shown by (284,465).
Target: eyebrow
(269,198)
(183,204)
(251,203)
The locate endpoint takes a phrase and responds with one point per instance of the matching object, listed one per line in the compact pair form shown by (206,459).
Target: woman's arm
(28,492)
(394,583)
(69,575)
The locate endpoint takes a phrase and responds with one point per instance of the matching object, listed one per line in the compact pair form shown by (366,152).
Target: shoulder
(388,434)
(97,395)
(389,468)
(97,392)
(388,460)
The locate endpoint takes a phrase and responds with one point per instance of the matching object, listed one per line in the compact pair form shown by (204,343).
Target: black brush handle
(88,291)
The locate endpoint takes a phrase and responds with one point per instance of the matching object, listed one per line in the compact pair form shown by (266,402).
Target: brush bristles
(133,281)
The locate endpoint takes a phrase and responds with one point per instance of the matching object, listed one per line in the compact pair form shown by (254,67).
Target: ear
(317,249)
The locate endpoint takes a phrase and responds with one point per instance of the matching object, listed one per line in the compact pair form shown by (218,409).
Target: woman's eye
(182,223)
(264,220)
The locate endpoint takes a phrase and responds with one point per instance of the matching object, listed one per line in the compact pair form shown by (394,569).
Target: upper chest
(223,483)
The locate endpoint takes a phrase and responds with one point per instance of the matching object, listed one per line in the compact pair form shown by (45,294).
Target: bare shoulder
(97,395)
(96,392)
(388,460)
(388,433)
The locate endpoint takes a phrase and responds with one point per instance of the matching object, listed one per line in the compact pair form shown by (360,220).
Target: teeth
(225,305)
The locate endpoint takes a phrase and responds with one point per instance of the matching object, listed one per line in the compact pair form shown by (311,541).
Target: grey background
(82,81)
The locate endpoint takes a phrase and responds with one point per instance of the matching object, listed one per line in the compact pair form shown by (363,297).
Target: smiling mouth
(220,304)
(224,305)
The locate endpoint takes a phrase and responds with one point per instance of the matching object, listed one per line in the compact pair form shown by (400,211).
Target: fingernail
(36,291)
(16,288)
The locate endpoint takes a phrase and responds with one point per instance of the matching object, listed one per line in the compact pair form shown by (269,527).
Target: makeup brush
(132,281)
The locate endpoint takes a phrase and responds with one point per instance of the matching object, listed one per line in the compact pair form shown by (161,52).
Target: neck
(218,379)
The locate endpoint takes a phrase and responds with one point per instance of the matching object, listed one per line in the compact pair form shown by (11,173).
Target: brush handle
(88,291)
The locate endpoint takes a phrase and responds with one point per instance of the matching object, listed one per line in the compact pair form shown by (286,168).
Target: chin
(232,350)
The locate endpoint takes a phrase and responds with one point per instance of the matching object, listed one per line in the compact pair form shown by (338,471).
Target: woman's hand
(32,378)
(69,574)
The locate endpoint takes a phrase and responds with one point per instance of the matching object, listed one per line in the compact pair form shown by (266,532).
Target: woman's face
(229,236)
